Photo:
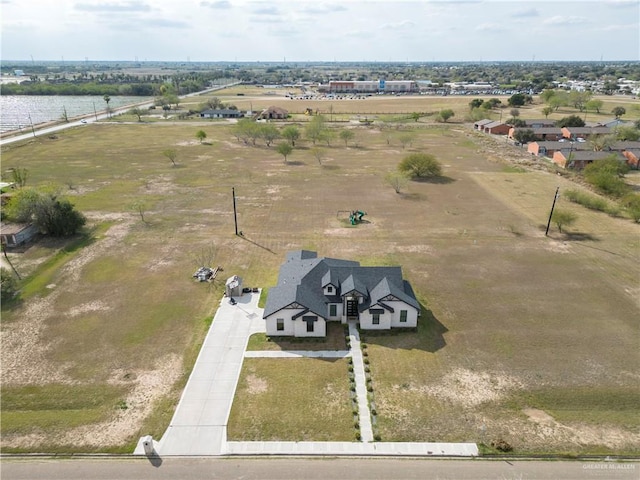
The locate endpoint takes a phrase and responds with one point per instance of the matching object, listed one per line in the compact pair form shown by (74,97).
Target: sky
(305,30)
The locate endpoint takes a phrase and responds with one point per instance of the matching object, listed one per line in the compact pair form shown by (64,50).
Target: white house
(312,291)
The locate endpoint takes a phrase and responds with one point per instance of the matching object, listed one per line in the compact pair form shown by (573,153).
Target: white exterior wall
(297,327)
(366,321)
(388,319)
(412,315)
(319,328)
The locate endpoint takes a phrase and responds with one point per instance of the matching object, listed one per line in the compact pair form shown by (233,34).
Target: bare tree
(171,154)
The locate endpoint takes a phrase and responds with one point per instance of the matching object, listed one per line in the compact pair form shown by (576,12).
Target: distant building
(371,86)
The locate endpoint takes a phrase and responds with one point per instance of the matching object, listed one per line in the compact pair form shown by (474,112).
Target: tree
(139,208)
(247,129)
(601,142)
(284,149)
(201,135)
(606,175)
(446,114)
(51,214)
(517,100)
(594,104)
(514,112)
(9,285)
(579,99)
(405,139)
(107,99)
(269,133)
(570,121)
(398,180)
(546,95)
(492,103)
(318,154)
(524,136)
(627,132)
(416,116)
(19,176)
(420,165)
(563,218)
(346,135)
(546,111)
(618,111)
(475,103)
(326,136)
(138,112)
(315,129)
(291,133)
(171,154)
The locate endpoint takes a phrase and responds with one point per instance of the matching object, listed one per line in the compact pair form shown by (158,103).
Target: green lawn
(292,399)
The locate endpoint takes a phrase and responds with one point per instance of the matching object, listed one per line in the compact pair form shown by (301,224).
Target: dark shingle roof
(303,275)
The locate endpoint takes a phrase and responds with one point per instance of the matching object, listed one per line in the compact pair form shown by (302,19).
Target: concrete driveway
(199,424)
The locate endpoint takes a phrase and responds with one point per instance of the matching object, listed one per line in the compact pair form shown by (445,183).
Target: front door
(352,308)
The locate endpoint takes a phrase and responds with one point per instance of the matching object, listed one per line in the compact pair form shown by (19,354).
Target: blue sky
(304,30)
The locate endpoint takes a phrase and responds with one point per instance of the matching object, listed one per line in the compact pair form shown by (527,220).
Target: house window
(329,289)
(309,327)
(280,324)
(403,316)
(333,310)
(375,318)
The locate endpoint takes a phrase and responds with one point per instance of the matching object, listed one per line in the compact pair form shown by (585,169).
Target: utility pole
(235,214)
(555,197)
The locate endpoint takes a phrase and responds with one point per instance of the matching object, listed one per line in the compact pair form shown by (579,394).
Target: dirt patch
(256,385)
(469,389)
(87,308)
(24,347)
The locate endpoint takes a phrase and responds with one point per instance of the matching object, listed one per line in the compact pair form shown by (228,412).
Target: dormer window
(329,289)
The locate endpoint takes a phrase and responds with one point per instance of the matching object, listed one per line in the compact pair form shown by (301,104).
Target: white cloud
(130,6)
(565,20)
(216,5)
(398,25)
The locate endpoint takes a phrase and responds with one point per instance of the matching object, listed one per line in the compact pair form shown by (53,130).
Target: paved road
(81,120)
(312,469)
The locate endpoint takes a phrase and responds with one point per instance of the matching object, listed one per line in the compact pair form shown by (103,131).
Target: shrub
(631,203)
(377,437)
(502,445)
(586,200)
(9,285)
(420,165)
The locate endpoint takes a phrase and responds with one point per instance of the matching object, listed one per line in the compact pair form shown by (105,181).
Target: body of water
(17,112)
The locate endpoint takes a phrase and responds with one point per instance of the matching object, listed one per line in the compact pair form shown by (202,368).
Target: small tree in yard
(420,165)
(618,111)
(398,180)
(171,154)
(284,149)
(201,135)
(563,218)
(546,111)
(416,116)
(291,133)
(446,114)
(269,133)
(138,112)
(405,139)
(318,154)
(346,135)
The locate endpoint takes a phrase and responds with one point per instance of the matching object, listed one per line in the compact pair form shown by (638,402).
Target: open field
(526,338)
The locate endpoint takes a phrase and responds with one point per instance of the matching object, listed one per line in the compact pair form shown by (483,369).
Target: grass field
(528,338)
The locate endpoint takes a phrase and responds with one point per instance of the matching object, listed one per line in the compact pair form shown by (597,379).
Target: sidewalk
(366,429)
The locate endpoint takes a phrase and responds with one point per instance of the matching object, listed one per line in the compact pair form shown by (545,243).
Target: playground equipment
(355,216)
